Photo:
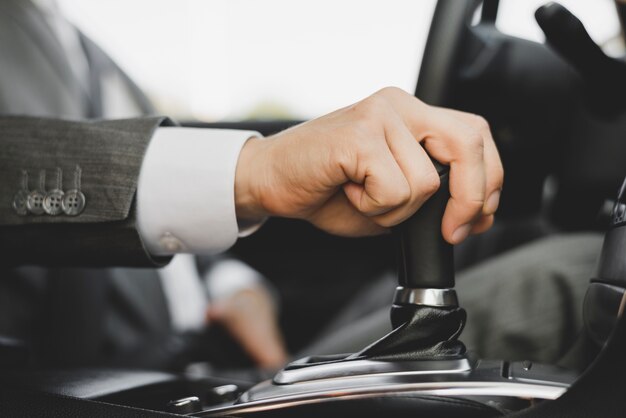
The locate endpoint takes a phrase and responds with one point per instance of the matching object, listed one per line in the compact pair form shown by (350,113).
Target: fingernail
(461,233)
(492,203)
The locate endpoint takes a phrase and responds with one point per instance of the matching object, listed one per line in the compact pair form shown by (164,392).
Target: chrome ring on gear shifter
(428,297)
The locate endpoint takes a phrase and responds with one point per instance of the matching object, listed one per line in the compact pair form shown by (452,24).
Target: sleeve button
(19,203)
(73,202)
(52,202)
(34,202)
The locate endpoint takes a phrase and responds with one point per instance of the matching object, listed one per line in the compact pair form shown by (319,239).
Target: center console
(420,366)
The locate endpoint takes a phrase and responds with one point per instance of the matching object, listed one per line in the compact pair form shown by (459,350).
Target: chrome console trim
(486,379)
(475,389)
(355,368)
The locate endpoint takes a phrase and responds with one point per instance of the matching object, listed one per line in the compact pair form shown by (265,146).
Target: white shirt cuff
(186,190)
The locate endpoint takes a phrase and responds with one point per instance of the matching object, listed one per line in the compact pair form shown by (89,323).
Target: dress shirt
(186,190)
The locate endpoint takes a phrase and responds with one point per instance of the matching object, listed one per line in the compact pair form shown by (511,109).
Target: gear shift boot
(424,333)
(424,342)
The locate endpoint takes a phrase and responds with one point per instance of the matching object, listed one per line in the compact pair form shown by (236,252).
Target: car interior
(557,111)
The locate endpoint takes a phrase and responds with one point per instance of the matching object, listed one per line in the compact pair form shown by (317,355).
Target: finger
(339,217)
(482,224)
(378,186)
(410,109)
(495,178)
(493,164)
(417,167)
(455,143)
(451,141)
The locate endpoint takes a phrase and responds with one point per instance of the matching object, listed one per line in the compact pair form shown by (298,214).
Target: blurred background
(279,59)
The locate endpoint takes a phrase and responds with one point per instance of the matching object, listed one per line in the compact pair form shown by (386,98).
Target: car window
(233,59)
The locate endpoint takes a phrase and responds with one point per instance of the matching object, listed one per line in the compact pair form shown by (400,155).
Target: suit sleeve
(109,155)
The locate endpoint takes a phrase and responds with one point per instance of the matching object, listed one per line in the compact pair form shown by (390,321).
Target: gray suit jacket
(110,155)
(73,316)
(37,81)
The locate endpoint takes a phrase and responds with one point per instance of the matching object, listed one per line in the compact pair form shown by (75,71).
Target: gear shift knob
(426,259)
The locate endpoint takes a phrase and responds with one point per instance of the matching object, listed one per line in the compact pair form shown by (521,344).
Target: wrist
(248,196)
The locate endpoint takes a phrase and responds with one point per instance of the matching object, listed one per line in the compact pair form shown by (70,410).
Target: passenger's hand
(364,168)
(249,316)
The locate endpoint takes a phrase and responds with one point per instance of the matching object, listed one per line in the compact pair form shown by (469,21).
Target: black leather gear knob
(425,258)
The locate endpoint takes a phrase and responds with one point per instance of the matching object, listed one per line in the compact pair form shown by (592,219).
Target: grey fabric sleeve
(109,154)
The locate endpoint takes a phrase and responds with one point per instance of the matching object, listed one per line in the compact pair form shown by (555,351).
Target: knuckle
(393,198)
(397,95)
(403,196)
(371,106)
(474,141)
(481,123)
(495,176)
(475,206)
(390,91)
(431,183)
(499,180)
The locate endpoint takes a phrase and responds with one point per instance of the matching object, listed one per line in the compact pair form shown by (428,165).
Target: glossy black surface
(426,259)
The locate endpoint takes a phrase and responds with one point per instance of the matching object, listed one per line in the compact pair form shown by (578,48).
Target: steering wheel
(447,39)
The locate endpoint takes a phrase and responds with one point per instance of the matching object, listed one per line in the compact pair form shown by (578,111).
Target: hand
(250,317)
(364,168)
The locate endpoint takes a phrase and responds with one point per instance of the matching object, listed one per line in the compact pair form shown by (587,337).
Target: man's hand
(250,317)
(364,168)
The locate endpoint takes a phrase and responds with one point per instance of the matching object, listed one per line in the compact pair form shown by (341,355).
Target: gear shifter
(420,367)
(425,314)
